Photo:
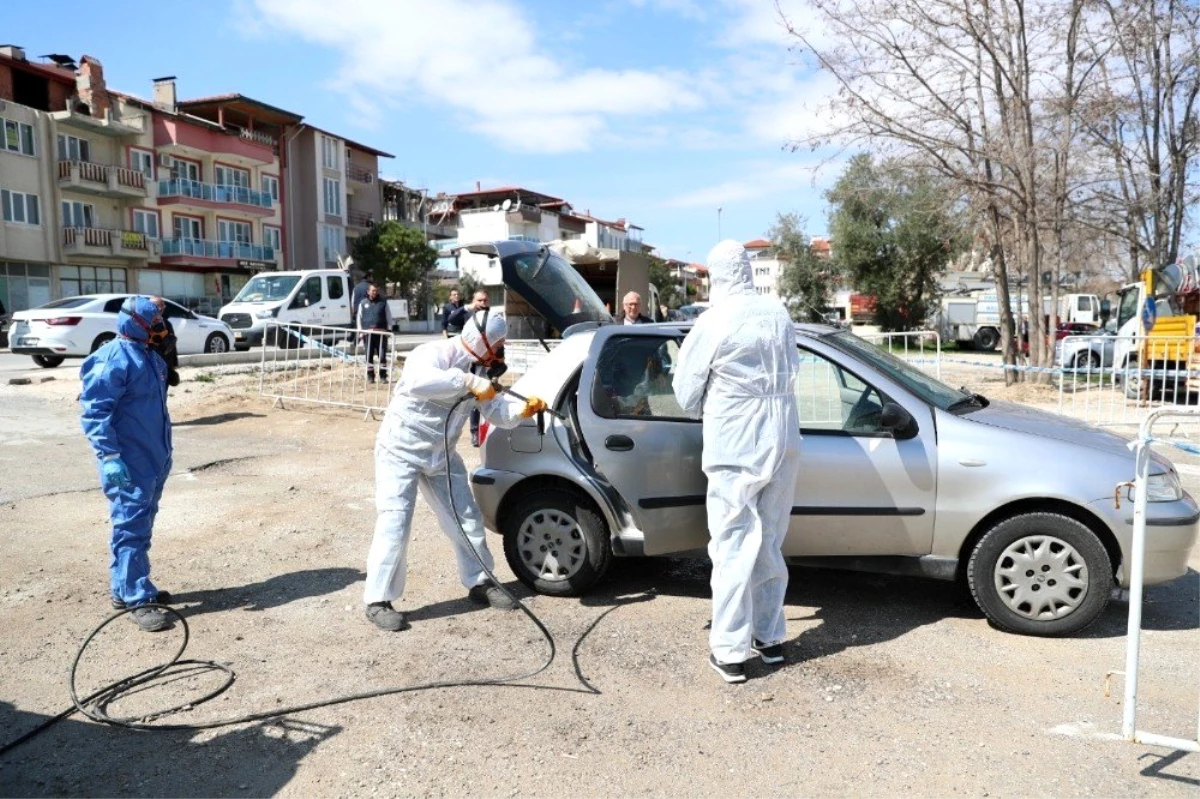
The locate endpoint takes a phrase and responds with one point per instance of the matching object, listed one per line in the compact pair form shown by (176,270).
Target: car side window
(173,311)
(334,286)
(310,292)
(832,400)
(634,379)
(114,305)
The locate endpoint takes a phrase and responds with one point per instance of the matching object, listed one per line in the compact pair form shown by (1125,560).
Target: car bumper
(490,487)
(247,337)
(61,352)
(1172,529)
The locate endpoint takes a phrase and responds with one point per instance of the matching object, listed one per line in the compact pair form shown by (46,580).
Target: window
(145,222)
(174,311)
(830,399)
(228,230)
(273,237)
(634,378)
(73,148)
(270,185)
(18,137)
(185,170)
(333,197)
(24,286)
(228,176)
(76,280)
(187,227)
(330,149)
(309,293)
(77,214)
(20,207)
(331,240)
(142,161)
(333,285)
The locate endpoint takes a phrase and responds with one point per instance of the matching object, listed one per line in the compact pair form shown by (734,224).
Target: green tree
(397,255)
(666,280)
(893,232)
(806,283)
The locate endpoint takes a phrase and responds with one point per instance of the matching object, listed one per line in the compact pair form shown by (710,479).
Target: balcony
(105,243)
(178,249)
(359,174)
(209,195)
(108,125)
(359,219)
(101,179)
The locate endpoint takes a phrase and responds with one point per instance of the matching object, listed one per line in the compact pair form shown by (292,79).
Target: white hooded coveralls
(410,452)
(738,366)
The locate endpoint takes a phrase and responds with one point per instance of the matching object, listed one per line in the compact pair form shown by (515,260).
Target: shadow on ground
(81,758)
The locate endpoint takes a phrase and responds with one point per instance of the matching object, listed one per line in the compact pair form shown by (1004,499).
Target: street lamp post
(718,224)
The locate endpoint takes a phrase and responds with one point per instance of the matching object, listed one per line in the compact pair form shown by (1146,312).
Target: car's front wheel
(1040,574)
(556,543)
(47,361)
(216,344)
(1086,360)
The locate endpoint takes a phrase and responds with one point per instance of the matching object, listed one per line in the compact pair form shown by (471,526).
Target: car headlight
(270,313)
(1163,487)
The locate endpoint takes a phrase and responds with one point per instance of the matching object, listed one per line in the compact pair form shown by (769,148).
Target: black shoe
(769,654)
(163,598)
(730,672)
(151,620)
(490,594)
(386,617)
(370,378)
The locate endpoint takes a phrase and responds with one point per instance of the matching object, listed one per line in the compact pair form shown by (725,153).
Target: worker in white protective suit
(737,369)
(410,451)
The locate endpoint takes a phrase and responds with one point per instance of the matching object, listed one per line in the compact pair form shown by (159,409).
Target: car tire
(216,343)
(986,339)
(48,361)
(556,543)
(1062,586)
(1086,360)
(101,340)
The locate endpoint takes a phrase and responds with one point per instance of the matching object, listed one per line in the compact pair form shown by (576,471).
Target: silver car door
(860,491)
(189,337)
(639,437)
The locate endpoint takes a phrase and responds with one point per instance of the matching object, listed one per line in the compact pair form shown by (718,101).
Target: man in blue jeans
(124,402)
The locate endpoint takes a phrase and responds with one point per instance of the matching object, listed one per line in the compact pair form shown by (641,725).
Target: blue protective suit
(124,402)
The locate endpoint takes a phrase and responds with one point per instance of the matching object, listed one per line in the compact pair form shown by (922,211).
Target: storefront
(76,280)
(24,286)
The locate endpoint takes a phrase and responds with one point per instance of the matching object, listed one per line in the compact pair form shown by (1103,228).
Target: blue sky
(659,111)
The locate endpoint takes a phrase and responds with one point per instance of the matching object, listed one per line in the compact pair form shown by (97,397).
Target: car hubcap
(551,545)
(1041,577)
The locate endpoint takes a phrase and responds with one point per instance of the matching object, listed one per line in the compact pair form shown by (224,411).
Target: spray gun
(541,419)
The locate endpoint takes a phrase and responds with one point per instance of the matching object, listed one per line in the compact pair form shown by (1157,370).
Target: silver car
(900,473)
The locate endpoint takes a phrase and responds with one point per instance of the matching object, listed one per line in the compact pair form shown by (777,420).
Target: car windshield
(68,302)
(267,288)
(929,389)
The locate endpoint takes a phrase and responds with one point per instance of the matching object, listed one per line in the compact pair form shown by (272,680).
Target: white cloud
(483,59)
(758,180)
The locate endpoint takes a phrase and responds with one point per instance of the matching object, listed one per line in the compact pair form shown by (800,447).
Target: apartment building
(619,235)
(335,194)
(764,265)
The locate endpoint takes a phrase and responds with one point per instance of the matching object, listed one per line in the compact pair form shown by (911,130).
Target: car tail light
(64,321)
(484,429)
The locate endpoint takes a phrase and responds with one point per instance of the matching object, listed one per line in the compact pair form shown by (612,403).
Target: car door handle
(619,443)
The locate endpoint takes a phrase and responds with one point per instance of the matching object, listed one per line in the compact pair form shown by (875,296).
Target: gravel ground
(894,686)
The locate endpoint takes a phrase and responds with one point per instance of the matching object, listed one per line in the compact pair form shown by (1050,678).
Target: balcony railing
(359,219)
(103,173)
(202,248)
(117,240)
(194,189)
(358,173)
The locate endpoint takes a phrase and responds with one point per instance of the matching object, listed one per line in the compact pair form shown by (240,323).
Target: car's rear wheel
(216,344)
(1040,574)
(48,361)
(101,340)
(1086,360)
(556,543)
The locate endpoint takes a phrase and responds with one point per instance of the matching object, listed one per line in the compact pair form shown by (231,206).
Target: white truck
(319,297)
(974,320)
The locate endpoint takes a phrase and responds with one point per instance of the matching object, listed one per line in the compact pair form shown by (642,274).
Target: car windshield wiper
(972,400)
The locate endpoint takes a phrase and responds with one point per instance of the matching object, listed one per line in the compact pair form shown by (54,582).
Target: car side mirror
(898,421)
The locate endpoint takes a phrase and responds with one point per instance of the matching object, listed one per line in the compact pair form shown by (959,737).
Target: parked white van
(311,297)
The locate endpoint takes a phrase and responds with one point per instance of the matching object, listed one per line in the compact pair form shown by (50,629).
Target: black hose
(94,705)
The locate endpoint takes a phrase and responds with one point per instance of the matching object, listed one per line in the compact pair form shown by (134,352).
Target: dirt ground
(894,686)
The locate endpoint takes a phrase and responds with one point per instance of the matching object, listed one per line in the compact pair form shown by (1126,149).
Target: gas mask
(497,367)
(491,361)
(156,329)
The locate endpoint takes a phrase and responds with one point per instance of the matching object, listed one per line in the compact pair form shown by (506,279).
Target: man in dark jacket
(451,327)
(375,321)
(631,308)
(360,292)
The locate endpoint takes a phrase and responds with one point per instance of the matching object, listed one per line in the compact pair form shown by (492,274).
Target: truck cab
(318,297)
(1156,329)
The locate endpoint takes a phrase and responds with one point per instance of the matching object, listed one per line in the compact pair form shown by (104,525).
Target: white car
(75,327)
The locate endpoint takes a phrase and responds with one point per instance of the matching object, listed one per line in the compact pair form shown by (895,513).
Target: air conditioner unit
(165,160)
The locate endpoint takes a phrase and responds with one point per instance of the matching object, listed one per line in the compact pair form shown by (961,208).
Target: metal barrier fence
(1129,729)
(328,366)
(1118,380)
(521,355)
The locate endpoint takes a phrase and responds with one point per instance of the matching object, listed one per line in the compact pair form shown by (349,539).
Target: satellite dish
(506,204)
